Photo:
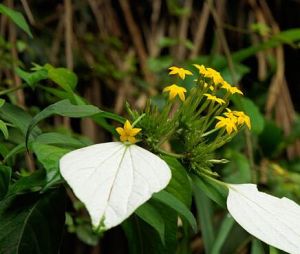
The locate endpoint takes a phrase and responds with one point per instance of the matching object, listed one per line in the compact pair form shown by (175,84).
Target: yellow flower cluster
(232,120)
(174,89)
(216,77)
(128,133)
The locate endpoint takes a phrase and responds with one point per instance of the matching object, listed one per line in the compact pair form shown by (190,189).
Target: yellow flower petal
(134,131)
(120,130)
(132,140)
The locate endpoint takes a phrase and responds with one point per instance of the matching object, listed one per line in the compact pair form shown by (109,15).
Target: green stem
(138,119)
(215,180)
(175,155)
(209,132)
(10,90)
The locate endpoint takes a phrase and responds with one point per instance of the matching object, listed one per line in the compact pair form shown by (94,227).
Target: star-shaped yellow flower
(214,98)
(227,123)
(128,133)
(201,68)
(180,71)
(238,117)
(231,89)
(175,90)
(210,73)
(242,118)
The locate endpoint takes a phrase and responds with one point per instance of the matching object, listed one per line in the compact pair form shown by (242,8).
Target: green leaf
(63,77)
(34,182)
(86,234)
(5,175)
(213,190)
(257,247)
(179,185)
(238,170)
(49,155)
(149,214)
(284,37)
(1,102)
(157,64)
(17,149)
(170,200)
(143,238)
(32,223)
(223,232)
(249,107)
(17,116)
(62,108)
(54,138)
(16,17)
(205,212)
(32,78)
(4,129)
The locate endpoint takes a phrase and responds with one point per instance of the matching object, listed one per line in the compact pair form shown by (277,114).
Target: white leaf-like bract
(273,220)
(113,179)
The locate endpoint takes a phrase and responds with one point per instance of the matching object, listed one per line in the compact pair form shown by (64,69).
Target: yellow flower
(238,117)
(242,118)
(210,73)
(227,123)
(175,90)
(231,89)
(180,71)
(201,68)
(214,98)
(128,133)
(231,115)
(215,76)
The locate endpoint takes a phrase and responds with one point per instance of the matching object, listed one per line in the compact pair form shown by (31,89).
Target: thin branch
(28,12)
(201,27)
(222,38)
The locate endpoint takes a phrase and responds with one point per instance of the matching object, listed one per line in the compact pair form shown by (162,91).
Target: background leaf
(149,214)
(5,175)
(16,17)
(32,222)
(170,200)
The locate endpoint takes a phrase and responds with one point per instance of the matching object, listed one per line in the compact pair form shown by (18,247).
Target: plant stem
(175,155)
(10,90)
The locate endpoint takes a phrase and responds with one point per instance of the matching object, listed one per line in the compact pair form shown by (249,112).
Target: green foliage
(5,175)
(151,215)
(28,217)
(192,206)
(16,17)
(171,201)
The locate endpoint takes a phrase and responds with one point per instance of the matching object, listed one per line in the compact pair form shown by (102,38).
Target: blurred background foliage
(120,51)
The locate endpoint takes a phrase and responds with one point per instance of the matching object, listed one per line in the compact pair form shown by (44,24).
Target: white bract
(113,179)
(273,220)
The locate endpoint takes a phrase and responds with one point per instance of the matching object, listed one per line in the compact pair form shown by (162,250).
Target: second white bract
(113,179)
(273,220)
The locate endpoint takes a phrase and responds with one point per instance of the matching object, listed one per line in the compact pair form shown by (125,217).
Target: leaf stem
(175,155)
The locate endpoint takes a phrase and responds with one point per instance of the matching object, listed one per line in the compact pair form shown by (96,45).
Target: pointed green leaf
(62,108)
(16,17)
(149,214)
(4,129)
(32,78)
(63,77)
(179,185)
(170,200)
